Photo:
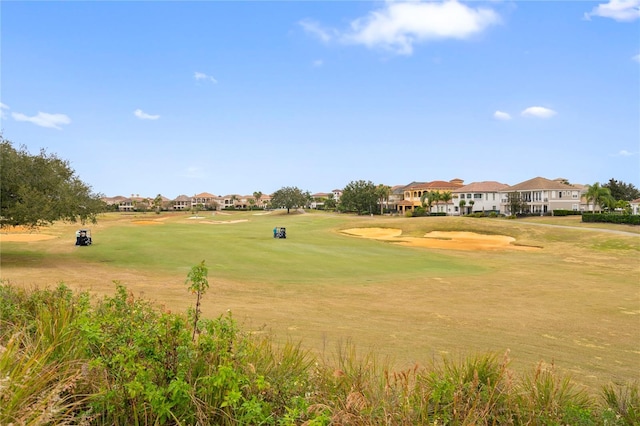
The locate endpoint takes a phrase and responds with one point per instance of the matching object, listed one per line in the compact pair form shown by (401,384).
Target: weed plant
(122,361)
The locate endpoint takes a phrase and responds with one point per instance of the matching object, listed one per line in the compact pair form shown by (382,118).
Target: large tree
(622,191)
(359,196)
(516,203)
(289,197)
(37,190)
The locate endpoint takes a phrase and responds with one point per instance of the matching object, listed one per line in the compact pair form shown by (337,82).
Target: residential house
(635,206)
(478,197)
(113,201)
(238,201)
(541,195)
(206,200)
(413,192)
(396,195)
(318,199)
(182,202)
(134,203)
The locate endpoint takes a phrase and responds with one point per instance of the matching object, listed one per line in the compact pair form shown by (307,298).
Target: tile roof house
(478,197)
(182,202)
(415,190)
(635,206)
(543,195)
(206,199)
(318,199)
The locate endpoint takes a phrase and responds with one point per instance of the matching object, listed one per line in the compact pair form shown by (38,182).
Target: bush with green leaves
(611,218)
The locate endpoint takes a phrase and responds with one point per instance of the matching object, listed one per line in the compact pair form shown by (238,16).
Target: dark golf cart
(279,232)
(83,237)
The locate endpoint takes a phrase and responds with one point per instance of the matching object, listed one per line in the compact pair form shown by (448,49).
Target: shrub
(611,218)
(561,212)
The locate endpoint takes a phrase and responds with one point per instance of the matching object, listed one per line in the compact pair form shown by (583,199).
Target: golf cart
(279,232)
(83,237)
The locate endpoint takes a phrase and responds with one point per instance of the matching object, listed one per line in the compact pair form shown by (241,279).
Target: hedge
(611,218)
(566,212)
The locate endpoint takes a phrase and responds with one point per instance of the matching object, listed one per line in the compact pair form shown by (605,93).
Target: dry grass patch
(22,234)
(24,238)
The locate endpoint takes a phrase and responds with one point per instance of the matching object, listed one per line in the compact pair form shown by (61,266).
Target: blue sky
(236,97)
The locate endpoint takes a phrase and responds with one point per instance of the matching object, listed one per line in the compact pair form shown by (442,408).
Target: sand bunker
(146,222)
(24,238)
(440,239)
(221,222)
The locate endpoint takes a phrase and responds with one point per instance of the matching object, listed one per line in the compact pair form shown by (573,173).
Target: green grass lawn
(575,301)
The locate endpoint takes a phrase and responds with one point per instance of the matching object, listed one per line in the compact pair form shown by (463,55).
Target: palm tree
(598,195)
(157,203)
(462,204)
(430,197)
(383,192)
(257,195)
(446,197)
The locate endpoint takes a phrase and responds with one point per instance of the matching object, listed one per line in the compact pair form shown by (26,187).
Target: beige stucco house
(542,196)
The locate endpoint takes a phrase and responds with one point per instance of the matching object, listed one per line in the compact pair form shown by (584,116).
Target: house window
(468,195)
(477,196)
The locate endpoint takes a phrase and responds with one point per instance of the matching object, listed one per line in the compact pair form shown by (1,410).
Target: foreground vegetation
(65,359)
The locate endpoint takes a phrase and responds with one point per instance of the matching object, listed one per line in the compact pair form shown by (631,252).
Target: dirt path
(610,231)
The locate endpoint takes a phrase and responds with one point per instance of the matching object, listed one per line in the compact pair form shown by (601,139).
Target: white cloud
(43,119)
(144,116)
(539,112)
(317,63)
(398,26)
(194,172)
(499,115)
(202,76)
(619,10)
(625,153)
(636,57)
(316,30)
(2,108)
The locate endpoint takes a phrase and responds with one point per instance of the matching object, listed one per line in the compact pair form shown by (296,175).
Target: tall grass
(121,361)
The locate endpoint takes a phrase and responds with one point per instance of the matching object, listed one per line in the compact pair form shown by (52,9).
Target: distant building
(413,192)
(478,197)
(542,195)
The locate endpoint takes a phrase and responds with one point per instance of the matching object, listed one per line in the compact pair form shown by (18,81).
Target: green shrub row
(611,218)
(561,212)
(65,359)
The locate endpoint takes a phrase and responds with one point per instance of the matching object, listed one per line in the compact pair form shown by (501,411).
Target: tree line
(40,189)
